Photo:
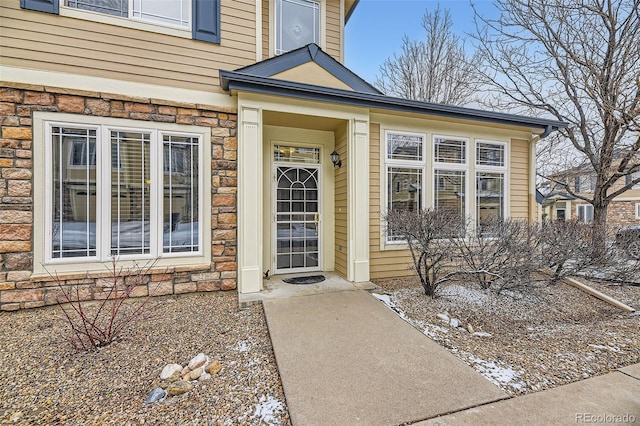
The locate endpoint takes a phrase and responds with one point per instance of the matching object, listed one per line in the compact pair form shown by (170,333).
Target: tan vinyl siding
(77,46)
(341,254)
(519,179)
(332,46)
(265,29)
(388,263)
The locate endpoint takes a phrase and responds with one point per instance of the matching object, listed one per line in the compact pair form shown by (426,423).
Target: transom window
(296,154)
(168,12)
(450,150)
(297,23)
(112,200)
(489,154)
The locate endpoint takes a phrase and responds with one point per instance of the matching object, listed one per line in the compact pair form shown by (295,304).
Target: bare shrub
(93,325)
(427,233)
(499,256)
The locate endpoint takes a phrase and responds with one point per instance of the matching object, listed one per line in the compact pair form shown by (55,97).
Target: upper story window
(297,23)
(168,12)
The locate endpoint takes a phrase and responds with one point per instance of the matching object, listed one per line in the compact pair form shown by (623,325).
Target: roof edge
(231,80)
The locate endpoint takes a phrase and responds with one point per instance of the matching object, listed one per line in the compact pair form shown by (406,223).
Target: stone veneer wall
(18,290)
(619,213)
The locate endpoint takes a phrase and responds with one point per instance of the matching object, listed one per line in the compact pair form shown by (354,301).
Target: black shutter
(49,6)
(206,20)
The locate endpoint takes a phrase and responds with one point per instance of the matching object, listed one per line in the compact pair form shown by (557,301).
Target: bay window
(122,192)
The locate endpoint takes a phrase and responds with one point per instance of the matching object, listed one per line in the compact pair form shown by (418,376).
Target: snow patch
(242,346)
(267,409)
(384,299)
(498,375)
(482,334)
(468,295)
(607,348)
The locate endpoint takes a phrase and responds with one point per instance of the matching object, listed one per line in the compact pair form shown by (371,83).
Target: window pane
(450,151)
(181,202)
(490,154)
(404,147)
(297,24)
(172,12)
(292,154)
(130,194)
(404,190)
(449,192)
(110,7)
(74,192)
(490,198)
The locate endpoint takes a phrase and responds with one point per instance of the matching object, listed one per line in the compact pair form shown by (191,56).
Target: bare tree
(434,69)
(578,62)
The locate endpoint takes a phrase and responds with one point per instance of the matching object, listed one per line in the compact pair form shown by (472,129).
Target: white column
(358,201)
(249,201)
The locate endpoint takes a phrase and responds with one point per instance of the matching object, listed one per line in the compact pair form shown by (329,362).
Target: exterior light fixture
(335,159)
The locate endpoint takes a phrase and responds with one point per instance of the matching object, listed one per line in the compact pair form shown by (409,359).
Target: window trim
(44,263)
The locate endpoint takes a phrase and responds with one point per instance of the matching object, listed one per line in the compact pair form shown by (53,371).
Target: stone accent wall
(622,213)
(18,290)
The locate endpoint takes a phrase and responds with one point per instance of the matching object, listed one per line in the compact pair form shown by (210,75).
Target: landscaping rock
(174,377)
(178,388)
(205,377)
(198,361)
(443,317)
(455,322)
(195,374)
(169,370)
(156,395)
(213,367)
(470,328)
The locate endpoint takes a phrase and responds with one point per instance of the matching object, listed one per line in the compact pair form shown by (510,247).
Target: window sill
(124,22)
(65,276)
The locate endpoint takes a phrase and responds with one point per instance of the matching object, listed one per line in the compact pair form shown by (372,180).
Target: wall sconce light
(335,159)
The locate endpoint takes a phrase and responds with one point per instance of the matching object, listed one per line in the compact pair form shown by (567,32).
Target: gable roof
(258,78)
(303,55)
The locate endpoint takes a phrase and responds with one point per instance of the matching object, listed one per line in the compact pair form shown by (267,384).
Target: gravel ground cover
(525,342)
(44,381)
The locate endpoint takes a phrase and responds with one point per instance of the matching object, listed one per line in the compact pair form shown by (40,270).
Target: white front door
(297,218)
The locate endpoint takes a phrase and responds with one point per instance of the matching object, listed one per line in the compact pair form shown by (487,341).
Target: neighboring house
(558,204)
(197,135)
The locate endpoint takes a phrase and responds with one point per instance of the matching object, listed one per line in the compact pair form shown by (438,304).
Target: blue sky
(376,28)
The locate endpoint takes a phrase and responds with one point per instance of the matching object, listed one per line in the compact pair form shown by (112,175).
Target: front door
(297,218)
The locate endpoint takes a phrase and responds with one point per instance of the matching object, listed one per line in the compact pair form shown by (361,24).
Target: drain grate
(304,280)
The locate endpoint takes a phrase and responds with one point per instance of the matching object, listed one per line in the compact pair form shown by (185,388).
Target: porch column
(358,199)
(249,201)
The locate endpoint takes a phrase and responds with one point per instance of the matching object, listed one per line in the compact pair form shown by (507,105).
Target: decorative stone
(443,317)
(185,371)
(470,328)
(195,374)
(174,377)
(455,322)
(205,377)
(213,367)
(178,388)
(169,370)
(156,395)
(198,361)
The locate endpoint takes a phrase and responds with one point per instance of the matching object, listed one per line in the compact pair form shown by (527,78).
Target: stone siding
(18,289)
(619,213)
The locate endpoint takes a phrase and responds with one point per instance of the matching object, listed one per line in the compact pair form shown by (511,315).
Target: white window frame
(457,167)
(43,169)
(130,21)
(406,164)
(273,27)
(638,211)
(484,168)
(586,207)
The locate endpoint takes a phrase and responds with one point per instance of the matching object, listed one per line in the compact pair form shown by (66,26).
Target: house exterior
(196,136)
(558,204)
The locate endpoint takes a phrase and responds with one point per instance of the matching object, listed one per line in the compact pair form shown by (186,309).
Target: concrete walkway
(610,399)
(346,359)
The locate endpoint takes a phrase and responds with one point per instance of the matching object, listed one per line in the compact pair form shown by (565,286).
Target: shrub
(93,325)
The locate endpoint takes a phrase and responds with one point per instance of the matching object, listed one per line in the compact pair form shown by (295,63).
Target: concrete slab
(632,370)
(346,359)
(610,399)
(275,288)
